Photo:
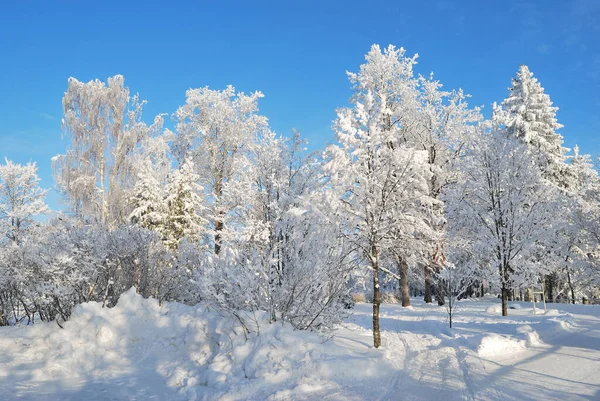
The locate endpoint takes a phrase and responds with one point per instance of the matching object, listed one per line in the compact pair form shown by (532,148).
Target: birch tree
(97,172)
(379,183)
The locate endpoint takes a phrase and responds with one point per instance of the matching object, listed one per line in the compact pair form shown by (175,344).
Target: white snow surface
(139,350)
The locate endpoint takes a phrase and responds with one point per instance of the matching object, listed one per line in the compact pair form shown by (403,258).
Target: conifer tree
(183,207)
(529,115)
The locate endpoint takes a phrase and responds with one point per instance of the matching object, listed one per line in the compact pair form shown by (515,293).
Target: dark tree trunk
(404,282)
(570,286)
(376,298)
(218,229)
(550,280)
(505,292)
(427,284)
(219,223)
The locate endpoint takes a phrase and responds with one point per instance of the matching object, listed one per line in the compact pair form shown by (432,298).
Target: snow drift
(196,351)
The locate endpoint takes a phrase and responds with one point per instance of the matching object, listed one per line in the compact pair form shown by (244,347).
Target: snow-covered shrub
(389,297)
(63,263)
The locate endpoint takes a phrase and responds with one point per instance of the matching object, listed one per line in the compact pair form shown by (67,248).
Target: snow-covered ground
(141,351)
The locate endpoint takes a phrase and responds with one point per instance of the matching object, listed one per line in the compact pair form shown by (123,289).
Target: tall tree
(103,123)
(380,184)
(446,126)
(217,130)
(529,115)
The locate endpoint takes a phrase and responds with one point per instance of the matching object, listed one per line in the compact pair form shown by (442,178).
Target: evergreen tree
(529,115)
(183,207)
(148,201)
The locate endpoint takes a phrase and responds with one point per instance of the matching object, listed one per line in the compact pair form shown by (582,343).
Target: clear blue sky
(295,53)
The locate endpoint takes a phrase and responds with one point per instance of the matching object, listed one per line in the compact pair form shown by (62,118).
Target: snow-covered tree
(217,130)
(503,209)
(379,186)
(446,127)
(148,201)
(288,259)
(103,123)
(424,117)
(529,115)
(183,207)
(580,235)
(21,199)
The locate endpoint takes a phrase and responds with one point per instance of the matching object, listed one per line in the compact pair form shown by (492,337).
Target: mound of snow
(496,345)
(173,351)
(552,312)
(494,309)
(531,337)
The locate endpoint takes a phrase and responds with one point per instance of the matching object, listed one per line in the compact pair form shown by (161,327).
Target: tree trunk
(439,295)
(404,282)
(219,214)
(427,284)
(376,298)
(218,229)
(570,286)
(505,292)
(550,288)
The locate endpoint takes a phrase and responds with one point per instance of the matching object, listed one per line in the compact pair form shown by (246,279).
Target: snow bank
(521,339)
(192,352)
(495,345)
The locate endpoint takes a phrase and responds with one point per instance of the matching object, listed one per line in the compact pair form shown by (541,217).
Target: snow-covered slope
(142,351)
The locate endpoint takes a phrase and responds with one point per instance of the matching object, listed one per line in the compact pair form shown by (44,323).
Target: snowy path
(140,351)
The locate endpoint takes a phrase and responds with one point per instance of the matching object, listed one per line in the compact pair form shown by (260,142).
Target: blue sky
(296,53)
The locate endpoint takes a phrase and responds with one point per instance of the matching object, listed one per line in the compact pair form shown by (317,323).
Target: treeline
(224,211)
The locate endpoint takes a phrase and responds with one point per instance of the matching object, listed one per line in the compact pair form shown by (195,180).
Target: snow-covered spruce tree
(217,130)
(96,174)
(183,207)
(380,184)
(529,115)
(148,201)
(502,209)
